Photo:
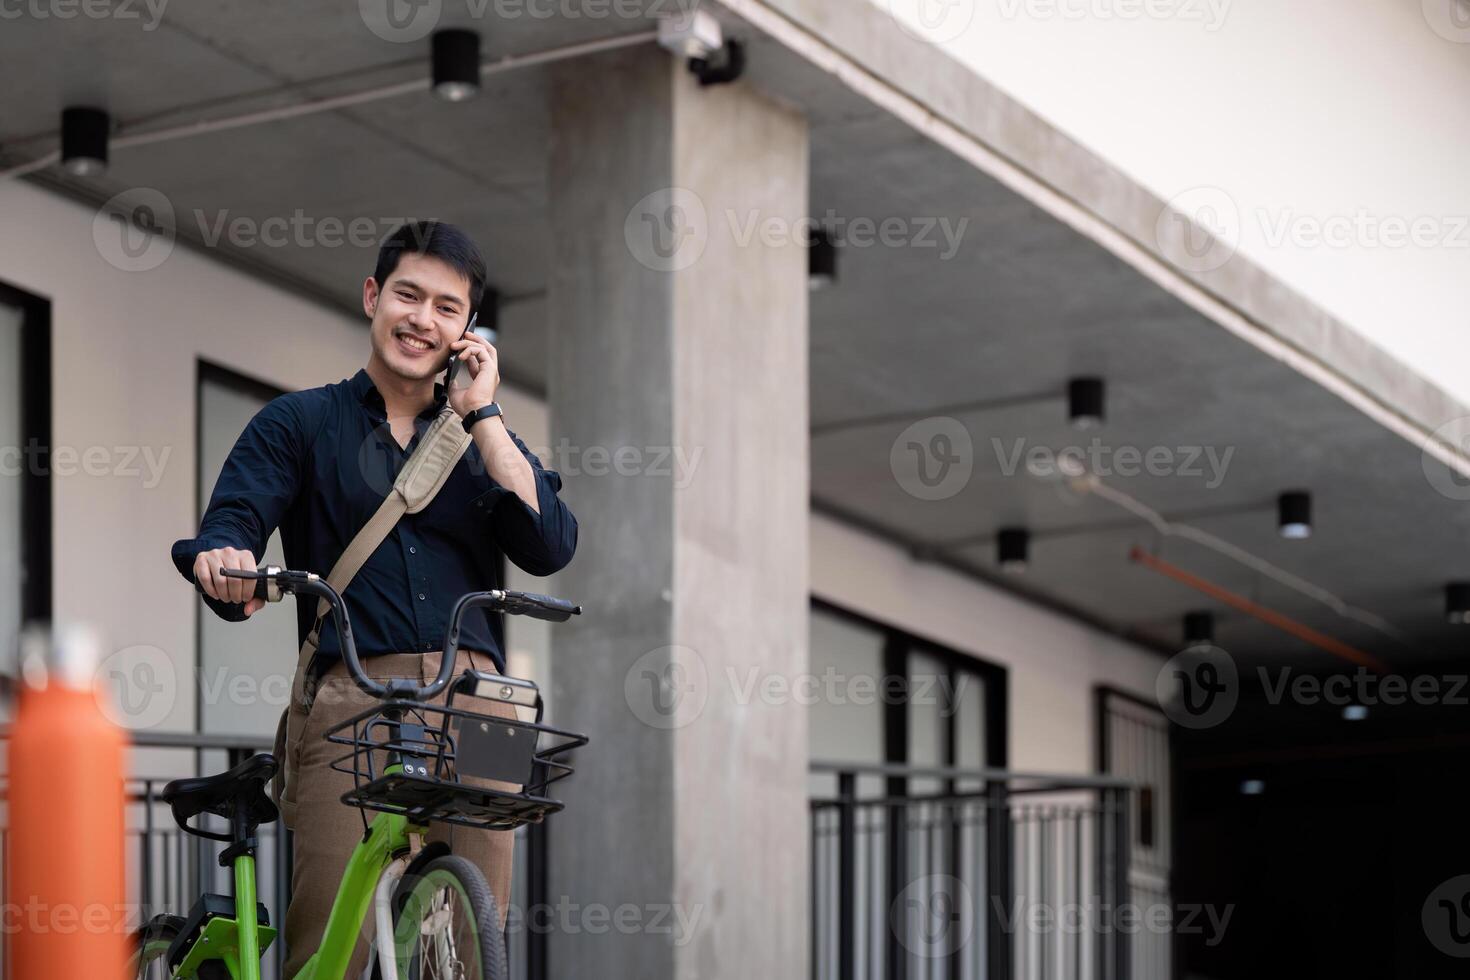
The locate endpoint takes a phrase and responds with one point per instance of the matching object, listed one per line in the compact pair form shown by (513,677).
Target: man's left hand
(482,365)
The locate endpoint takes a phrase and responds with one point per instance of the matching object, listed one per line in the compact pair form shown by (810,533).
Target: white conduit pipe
(1092,484)
(496,66)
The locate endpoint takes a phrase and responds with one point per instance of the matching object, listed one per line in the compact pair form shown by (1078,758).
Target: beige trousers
(327,830)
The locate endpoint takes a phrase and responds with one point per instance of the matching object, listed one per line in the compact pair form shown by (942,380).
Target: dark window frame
(36,538)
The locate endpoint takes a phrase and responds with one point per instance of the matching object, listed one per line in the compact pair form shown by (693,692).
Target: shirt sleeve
(259,481)
(539,544)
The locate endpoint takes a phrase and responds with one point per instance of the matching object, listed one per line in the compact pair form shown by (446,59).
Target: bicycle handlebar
(272,583)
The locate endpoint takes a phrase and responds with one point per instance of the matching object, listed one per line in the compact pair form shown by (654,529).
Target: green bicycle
(434,913)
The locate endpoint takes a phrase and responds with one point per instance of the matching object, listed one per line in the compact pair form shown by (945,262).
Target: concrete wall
(1312,114)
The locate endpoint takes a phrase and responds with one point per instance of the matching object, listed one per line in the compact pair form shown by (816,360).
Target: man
(317,464)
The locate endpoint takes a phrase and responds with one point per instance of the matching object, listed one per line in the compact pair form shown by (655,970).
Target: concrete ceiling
(1023,304)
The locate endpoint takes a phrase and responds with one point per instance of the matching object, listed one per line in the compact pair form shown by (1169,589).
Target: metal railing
(949,874)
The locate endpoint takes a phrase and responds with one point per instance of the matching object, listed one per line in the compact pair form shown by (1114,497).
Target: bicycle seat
(241,790)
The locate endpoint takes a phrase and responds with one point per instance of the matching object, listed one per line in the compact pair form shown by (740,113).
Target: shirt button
(412,550)
(421,595)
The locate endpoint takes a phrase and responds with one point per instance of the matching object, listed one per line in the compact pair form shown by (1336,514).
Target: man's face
(421,310)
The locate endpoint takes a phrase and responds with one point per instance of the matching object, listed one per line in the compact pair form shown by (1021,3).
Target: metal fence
(944,874)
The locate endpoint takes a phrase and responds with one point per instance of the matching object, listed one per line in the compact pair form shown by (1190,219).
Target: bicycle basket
(453,764)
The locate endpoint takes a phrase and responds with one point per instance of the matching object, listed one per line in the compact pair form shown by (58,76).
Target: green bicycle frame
(386,839)
(237,942)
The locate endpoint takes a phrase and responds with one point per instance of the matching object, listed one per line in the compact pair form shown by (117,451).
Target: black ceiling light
(821,260)
(1294,514)
(84,133)
(456,62)
(1457,603)
(1012,545)
(1085,402)
(1199,629)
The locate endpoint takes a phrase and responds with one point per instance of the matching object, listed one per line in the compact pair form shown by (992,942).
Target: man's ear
(370,296)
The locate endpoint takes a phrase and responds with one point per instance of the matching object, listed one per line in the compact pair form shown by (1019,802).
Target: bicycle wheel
(447,926)
(150,952)
(150,948)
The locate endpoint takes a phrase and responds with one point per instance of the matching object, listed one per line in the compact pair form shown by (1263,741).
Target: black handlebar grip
(543,606)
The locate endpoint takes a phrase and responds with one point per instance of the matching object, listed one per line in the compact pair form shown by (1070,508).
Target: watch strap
(487,412)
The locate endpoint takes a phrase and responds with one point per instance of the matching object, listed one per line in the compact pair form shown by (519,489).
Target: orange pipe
(65,904)
(1270,616)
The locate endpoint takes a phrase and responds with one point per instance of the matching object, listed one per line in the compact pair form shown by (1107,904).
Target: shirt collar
(366,392)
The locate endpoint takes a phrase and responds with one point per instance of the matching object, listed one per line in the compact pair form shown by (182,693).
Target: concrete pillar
(678,382)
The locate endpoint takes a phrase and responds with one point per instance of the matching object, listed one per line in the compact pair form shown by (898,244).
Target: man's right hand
(208,567)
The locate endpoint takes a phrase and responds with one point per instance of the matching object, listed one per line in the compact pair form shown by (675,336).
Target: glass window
(244,668)
(12,439)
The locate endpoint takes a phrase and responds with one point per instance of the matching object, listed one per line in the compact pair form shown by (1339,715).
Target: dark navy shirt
(318,463)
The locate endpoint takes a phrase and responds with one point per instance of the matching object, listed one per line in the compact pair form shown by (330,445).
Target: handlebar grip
(545,607)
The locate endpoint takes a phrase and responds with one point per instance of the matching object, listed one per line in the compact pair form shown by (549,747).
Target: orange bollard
(65,905)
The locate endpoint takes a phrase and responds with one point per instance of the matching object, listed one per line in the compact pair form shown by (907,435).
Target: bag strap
(443,443)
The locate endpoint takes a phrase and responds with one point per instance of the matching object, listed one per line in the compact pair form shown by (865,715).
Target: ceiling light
(1199,629)
(821,260)
(456,64)
(84,140)
(1085,402)
(1011,547)
(1457,603)
(1294,511)
(1354,712)
(693,33)
(1253,787)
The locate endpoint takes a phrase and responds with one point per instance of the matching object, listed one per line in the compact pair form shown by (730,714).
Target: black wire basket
(458,765)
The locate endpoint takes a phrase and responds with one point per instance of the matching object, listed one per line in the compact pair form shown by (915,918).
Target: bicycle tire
(150,952)
(449,874)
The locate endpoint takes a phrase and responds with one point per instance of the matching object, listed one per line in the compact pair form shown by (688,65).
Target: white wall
(1301,111)
(124,352)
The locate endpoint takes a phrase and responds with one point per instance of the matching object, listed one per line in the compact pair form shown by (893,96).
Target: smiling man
(317,464)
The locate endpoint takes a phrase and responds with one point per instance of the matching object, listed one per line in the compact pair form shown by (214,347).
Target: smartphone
(451,376)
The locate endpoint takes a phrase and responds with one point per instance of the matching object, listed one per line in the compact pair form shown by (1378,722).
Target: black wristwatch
(488,412)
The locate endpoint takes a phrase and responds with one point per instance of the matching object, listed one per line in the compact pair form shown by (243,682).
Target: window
(25,485)
(886,696)
(245,668)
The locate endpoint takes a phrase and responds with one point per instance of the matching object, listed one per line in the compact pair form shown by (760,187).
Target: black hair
(441,240)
